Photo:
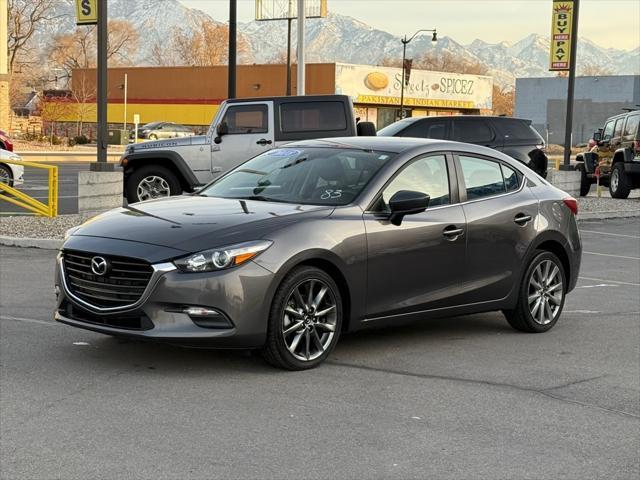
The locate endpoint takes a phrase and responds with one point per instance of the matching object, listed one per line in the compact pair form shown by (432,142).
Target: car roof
(481,117)
(384,144)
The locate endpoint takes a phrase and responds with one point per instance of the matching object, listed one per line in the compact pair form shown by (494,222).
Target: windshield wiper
(259,198)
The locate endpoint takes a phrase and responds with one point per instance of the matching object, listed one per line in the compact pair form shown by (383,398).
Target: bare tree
(503,100)
(204,46)
(594,71)
(25,16)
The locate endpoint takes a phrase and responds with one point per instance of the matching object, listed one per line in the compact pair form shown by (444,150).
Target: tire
(288,350)
(525,317)
(158,181)
(619,181)
(6,175)
(585,181)
(153,136)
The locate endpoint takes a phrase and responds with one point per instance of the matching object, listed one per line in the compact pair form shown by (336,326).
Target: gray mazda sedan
(302,243)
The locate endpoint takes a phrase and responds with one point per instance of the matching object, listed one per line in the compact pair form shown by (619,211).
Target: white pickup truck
(241,129)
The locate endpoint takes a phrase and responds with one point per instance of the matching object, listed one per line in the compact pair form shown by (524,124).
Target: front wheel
(585,181)
(6,176)
(541,297)
(151,182)
(305,320)
(619,182)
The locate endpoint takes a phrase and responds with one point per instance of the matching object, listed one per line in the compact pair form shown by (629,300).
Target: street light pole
(406,41)
(101,165)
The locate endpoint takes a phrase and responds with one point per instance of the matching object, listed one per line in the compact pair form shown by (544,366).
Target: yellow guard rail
(25,201)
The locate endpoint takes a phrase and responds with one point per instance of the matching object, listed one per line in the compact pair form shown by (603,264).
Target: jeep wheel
(585,181)
(150,182)
(619,181)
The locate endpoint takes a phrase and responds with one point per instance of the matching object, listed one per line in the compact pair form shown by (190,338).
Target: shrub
(80,140)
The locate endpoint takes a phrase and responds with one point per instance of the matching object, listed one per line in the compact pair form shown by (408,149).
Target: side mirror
(597,136)
(221,129)
(407,202)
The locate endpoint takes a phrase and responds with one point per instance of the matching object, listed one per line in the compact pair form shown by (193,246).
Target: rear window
(631,128)
(312,116)
(393,129)
(517,129)
(471,131)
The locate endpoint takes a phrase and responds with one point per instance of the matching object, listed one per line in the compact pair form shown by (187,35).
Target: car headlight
(15,158)
(222,258)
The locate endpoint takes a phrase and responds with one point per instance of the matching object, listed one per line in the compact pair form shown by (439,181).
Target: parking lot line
(611,255)
(612,234)
(617,282)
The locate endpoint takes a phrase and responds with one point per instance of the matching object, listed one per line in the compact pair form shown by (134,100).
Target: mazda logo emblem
(99,265)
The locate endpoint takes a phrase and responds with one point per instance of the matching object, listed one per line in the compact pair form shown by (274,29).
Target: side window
(511,178)
(482,178)
(427,175)
(608,132)
(471,131)
(631,127)
(428,129)
(617,131)
(310,116)
(246,119)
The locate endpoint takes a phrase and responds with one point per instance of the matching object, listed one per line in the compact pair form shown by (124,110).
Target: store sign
(383,86)
(561,20)
(87,12)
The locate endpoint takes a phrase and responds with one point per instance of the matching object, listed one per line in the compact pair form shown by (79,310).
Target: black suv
(615,157)
(513,136)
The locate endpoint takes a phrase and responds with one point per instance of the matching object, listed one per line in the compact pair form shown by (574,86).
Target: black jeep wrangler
(615,157)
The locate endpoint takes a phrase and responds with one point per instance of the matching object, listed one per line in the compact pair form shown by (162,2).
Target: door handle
(522,219)
(263,142)
(452,232)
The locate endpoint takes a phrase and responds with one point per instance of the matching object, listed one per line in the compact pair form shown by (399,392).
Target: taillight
(572,203)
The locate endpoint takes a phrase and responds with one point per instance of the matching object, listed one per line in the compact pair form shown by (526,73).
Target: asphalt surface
(460,398)
(37,186)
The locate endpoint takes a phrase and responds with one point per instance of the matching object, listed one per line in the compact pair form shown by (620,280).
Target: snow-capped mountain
(340,38)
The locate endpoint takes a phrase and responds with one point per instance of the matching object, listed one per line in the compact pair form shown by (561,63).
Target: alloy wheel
(309,319)
(5,177)
(545,292)
(153,187)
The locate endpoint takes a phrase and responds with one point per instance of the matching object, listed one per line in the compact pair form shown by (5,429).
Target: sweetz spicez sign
(561,20)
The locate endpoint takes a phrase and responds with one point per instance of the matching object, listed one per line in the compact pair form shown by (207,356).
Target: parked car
(5,141)
(161,130)
(301,243)
(10,173)
(241,129)
(512,136)
(615,156)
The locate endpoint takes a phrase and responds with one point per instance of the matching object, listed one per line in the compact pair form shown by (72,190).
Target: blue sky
(617,25)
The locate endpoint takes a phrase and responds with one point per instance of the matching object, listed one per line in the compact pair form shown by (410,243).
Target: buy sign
(87,12)
(560,51)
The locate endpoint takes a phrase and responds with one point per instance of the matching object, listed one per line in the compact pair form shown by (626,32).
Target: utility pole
(301,65)
(566,165)
(103,34)
(233,26)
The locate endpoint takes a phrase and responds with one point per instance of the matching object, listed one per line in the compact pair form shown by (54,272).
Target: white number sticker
(331,194)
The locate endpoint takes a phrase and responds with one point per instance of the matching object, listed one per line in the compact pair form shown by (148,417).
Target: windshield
(310,175)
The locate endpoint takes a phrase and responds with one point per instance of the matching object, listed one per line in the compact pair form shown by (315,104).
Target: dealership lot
(456,398)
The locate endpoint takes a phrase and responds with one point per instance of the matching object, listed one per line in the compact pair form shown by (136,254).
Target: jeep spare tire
(151,182)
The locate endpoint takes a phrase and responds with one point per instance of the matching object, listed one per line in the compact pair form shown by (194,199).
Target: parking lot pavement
(458,398)
(36,185)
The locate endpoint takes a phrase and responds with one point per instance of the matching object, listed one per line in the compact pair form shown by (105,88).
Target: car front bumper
(241,296)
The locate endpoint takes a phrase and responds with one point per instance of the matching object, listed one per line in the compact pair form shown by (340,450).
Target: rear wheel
(151,182)
(305,320)
(542,294)
(585,181)
(619,181)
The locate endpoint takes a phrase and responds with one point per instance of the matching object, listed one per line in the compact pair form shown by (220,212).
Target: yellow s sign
(87,12)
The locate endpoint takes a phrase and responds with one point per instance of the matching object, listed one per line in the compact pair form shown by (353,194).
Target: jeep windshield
(309,175)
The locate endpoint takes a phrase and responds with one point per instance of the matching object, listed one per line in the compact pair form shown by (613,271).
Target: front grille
(125,321)
(123,284)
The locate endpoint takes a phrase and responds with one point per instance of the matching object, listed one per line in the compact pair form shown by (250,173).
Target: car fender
(623,155)
(159,157)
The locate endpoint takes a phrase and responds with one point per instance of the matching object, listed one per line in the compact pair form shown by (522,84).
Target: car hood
(194,223)
(170,143)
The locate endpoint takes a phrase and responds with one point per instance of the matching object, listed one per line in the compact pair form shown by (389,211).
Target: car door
(501,212)
(419,264)
(250,132)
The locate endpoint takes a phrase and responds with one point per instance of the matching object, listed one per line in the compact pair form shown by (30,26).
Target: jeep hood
(193,223)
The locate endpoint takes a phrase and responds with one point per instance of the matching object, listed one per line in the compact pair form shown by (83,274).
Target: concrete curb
(55,244)
(43,243)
